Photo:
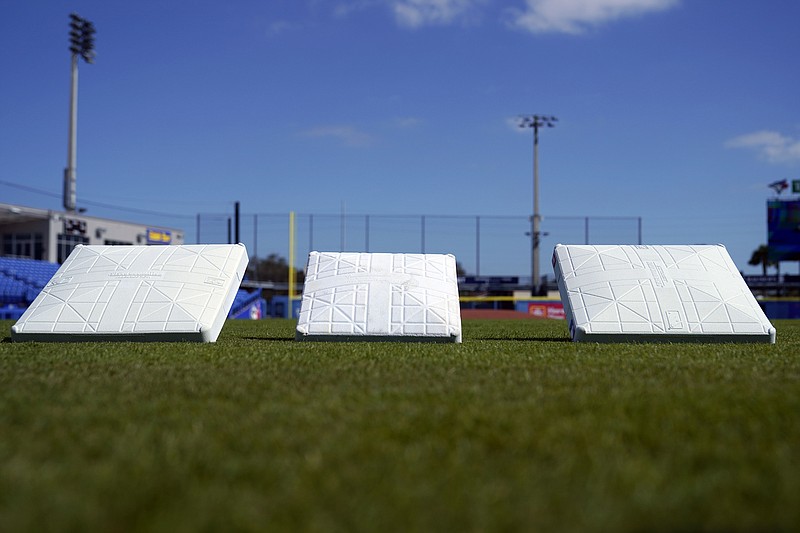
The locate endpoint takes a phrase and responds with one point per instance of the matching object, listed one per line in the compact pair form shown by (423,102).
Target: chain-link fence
(484,245)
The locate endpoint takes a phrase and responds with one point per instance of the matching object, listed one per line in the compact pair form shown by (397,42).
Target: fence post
(640,230)
(310,233)
(422,226)
(236,223)
(291,264)
(343,231)
(477,245)
(586,229)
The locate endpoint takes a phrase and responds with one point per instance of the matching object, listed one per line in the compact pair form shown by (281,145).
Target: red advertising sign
(546,310)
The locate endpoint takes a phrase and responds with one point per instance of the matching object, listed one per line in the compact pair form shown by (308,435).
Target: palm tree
(761,257)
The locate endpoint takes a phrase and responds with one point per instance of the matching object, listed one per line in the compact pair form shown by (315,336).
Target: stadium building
(43,234)
(34,242)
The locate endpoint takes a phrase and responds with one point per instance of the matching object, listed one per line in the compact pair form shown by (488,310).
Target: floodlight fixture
(535,122)
(81,44)
(81,37)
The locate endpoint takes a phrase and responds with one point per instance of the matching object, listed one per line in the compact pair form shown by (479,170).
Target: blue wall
(781,308)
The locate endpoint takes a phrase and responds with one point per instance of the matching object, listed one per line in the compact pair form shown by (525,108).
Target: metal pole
(70,173)
(366,233)
(291,265)
(586,230)
(255,243)
(535,281)
(535,122)
(81,43)
(310,233)
(343,231)
(640,230)
(236,223)
(478,245)
(422,227)
(198,228)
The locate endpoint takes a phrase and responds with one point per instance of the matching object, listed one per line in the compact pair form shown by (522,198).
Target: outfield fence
(484,245)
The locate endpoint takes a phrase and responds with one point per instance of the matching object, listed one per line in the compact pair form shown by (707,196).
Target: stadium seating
(244,300)
(22,279)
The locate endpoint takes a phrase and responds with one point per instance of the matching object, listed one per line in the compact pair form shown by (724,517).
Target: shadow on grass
(7,340)
(522,339)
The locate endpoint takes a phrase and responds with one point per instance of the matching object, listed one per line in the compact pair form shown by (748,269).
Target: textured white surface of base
(137,293)
(380,296)
(618,293)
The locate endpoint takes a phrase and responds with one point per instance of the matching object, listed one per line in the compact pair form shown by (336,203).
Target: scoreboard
(783,230)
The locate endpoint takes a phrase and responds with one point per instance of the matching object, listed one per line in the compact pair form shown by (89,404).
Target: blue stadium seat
(23,279)
(243,299)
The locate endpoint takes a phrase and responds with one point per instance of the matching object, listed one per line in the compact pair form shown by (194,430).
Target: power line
(97,204)
(135,210)
(29,189)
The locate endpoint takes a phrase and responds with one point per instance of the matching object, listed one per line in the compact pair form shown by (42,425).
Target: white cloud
(345,8)
(417,13)
(279,27)
(575,16)
(348,135)
(770,145)
(407,122)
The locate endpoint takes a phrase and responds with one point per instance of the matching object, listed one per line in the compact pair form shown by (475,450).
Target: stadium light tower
(81,43)
(536,122)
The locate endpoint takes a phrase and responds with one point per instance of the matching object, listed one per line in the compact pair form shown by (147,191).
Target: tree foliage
(761,257)
(272,268)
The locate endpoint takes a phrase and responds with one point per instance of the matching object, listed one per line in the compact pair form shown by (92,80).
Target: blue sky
(678,111)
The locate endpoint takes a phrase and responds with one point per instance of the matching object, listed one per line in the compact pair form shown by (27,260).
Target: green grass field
(516,429)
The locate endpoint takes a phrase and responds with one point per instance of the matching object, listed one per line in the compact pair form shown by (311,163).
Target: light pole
(81,39)
(536,122)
